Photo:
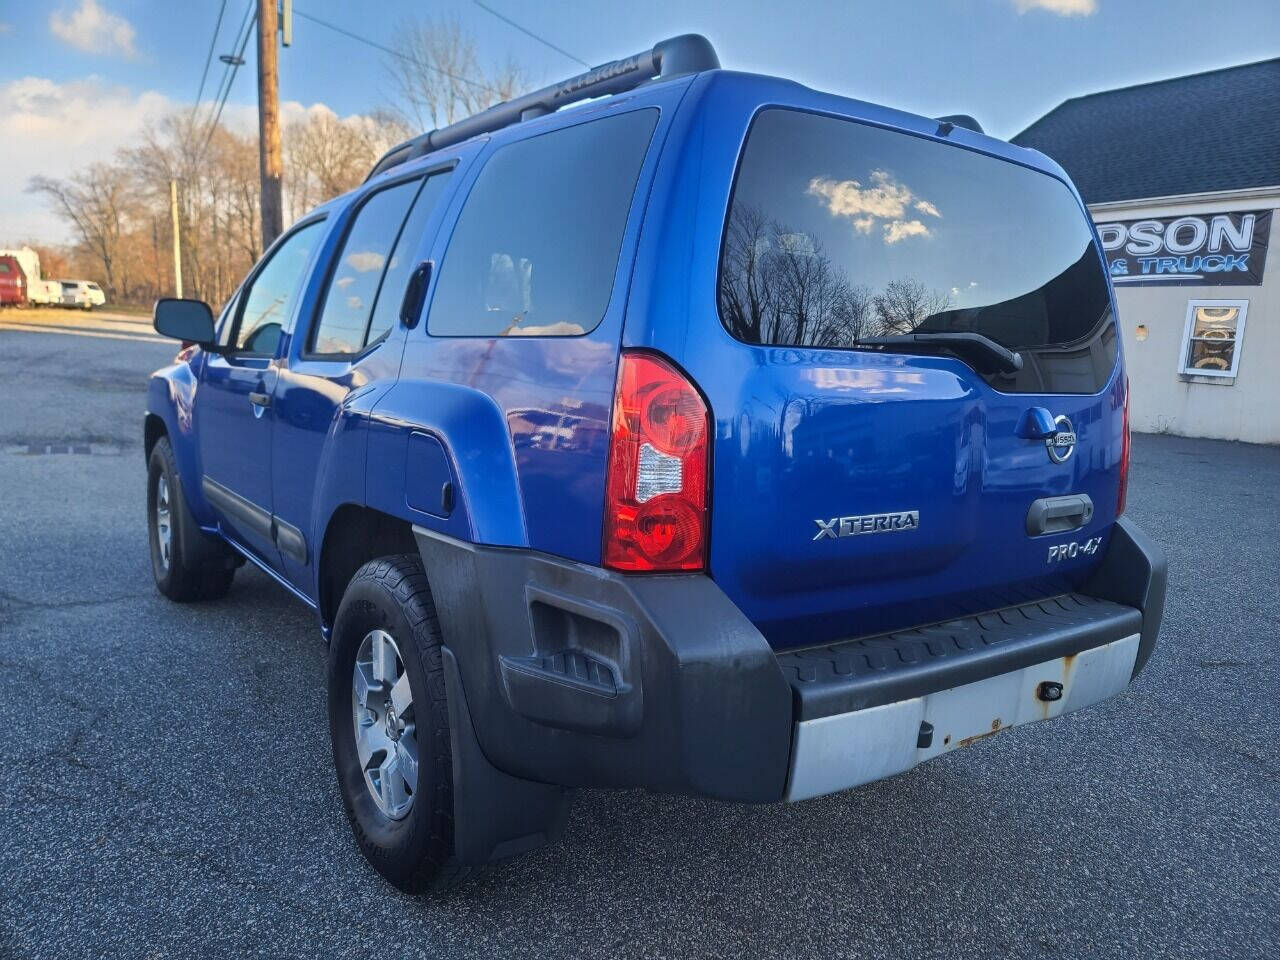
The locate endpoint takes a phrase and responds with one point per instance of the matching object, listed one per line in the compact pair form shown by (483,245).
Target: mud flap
(495,815)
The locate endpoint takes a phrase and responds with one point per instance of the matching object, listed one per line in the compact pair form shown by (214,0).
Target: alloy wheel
(385,728)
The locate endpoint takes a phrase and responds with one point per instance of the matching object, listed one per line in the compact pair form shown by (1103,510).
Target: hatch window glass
(844,235)
(536,247)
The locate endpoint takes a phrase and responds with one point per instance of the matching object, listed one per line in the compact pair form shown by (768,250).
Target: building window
(1211,342)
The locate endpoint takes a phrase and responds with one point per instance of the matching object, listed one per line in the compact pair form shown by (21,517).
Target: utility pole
(177,239)
(270,162)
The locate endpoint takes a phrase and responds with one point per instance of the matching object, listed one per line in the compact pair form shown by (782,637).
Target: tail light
(1124,455)
(656,492)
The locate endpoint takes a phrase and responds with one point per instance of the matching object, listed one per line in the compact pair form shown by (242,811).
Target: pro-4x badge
(838,527)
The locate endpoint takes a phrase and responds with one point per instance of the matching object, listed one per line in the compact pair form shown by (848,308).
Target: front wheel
(389,723)
(187,564)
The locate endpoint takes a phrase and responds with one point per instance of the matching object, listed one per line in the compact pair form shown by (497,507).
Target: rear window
(840,232)
(536,247)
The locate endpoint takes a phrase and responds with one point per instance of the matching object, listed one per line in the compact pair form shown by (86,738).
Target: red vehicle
(13,283)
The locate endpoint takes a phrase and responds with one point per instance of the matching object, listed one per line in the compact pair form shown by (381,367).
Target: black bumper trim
(582,677)
(700,705)
(872,671)
(1135,573)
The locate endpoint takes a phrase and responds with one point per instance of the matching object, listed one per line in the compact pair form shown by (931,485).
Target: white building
(1182,177)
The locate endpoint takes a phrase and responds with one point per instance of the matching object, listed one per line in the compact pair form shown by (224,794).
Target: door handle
(1059,514)
(415,292)
(260,399)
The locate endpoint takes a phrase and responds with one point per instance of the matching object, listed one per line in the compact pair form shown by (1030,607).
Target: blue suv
(713,435)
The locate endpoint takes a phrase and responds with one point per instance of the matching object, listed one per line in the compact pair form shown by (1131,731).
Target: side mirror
(190,321)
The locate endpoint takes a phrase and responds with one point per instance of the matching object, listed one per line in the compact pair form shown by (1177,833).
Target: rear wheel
(389,723)
(187,563)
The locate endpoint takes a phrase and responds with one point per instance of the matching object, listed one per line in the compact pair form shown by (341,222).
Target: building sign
(1212,249)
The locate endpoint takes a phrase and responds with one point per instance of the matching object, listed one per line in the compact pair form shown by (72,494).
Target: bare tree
(119,208)
(326,155)
(95,201)
(438,77)
(906,303)
(779,286)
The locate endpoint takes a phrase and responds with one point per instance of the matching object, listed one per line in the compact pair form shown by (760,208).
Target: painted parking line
(79,332)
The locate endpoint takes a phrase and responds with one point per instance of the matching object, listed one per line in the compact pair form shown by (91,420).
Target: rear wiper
(981,352)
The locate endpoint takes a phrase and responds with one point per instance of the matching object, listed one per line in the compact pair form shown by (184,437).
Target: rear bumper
(577,676)
(848,749)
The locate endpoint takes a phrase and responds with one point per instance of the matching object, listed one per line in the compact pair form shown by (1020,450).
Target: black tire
(198,567)
(414,853)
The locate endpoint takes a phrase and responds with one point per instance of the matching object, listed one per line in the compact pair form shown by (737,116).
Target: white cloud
(886,202)
(901,229)
(364,261)
(51,129)
(5,28)
(94,29)
(1063,8)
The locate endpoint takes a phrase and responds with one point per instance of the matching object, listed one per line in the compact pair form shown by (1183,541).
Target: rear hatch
(908,317)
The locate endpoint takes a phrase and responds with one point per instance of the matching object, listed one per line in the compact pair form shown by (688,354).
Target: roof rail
(687,53)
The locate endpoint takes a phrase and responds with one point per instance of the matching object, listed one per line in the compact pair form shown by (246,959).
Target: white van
(81,293)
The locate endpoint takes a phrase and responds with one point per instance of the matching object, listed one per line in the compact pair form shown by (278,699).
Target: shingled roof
(1218,130)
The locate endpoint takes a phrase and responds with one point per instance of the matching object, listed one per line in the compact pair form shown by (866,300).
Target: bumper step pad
(871,671)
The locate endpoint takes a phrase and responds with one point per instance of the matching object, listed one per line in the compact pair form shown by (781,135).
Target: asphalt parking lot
(166,791)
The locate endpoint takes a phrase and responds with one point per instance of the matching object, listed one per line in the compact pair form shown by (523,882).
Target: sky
(80,78)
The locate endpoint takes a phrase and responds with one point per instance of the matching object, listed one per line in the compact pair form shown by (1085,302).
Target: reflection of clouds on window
(558,329)
(885,202)
(797,244)
(355,303)
(791,244)
(343,282)
(363,261)
(901,229)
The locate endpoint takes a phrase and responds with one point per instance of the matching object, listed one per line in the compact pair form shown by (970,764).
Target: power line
(232,67)
(235,40)
(395,53)
(529,33)
(213,42)
(227,71)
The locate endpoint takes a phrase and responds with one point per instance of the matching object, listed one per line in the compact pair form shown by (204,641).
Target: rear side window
(371,269)
(840,232)
(536,247)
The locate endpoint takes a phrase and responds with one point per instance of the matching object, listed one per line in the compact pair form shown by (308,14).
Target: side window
(1212,337)
(372,267)
(387,309)
(271,297)
(536,247)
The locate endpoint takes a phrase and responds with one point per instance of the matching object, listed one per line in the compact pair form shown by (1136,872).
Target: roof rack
(687,53)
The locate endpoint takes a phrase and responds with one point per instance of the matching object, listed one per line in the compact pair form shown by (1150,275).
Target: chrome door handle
(260,399)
